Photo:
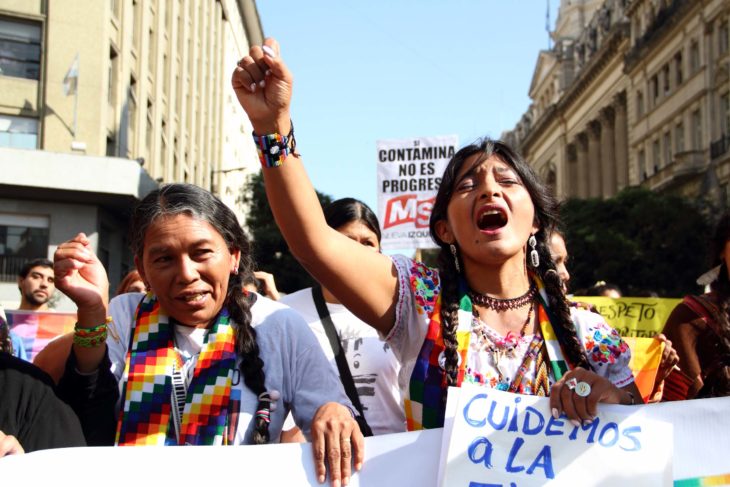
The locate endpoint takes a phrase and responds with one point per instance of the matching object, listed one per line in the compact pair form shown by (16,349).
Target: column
(621,137)
(581,147)
(571,173)
(594,159)
(608,159)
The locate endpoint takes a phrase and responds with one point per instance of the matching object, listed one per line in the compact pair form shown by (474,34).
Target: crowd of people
(370,350)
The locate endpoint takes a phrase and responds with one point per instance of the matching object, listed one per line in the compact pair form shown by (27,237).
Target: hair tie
(270,397)
(264,415)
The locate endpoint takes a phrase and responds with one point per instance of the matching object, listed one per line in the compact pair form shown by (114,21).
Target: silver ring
(583,389)
(345,440)
(571,383)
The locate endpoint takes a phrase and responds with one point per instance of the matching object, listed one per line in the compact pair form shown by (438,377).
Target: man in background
(35,283)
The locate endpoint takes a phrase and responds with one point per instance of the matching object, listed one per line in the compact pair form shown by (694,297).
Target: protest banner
(37,328)
(633,317)
(506,439)
(701,445)
(646,356)
(409,175)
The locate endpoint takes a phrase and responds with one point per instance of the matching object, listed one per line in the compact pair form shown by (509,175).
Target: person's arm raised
(81,276)
(364,281)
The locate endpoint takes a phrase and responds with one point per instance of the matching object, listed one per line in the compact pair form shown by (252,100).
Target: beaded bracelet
(274,148)
(91,337)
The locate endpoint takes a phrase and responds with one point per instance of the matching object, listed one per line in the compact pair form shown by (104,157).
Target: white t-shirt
(418,288)
(294,363)
(372,364)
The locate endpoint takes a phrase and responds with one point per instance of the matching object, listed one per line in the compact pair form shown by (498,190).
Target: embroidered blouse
(419,287)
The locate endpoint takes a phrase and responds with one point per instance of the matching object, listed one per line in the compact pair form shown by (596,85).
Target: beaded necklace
(499,304)
(499,348)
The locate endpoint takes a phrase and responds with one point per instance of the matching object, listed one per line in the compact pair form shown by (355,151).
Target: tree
(640,240)
(271,253)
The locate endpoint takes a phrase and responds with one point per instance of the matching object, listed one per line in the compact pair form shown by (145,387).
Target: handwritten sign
(633,317)
(502,439)
(700,444)
(409,175)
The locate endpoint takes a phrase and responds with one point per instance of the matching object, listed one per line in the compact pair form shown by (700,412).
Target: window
(722,41)
(151,52)
(20,49)
(655,89)
(136,24)
(667,149)
(114,6)
(667,81)
(679,138)
(132,107)
(694,56)
(111,146)
(150,122)
(113,70)
(18,132)
(725,113)
(697,130)
(679,74)
(656,156)
(642,165)
(22,238)
(639,104)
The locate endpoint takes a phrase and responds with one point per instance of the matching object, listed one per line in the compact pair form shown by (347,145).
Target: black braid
(252,367)
(188,199)
(449,278)
(558,303)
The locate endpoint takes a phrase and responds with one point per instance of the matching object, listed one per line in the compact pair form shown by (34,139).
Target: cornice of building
(663,24)
(73,177)
(590,71)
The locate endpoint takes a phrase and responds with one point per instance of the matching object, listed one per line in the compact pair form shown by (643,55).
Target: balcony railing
(719,147)
(10,266)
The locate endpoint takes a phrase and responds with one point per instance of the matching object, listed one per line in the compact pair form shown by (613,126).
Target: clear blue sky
(374,69)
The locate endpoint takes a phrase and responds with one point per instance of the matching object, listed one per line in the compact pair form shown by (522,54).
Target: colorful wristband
(272,149)
(91,337)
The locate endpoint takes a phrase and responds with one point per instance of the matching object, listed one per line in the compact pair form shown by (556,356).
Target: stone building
(634,92)
(100,100)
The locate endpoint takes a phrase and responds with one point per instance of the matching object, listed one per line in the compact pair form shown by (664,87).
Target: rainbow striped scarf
(425,406)
(148,389)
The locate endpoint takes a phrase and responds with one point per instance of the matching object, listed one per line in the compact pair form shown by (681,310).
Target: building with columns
(634,92)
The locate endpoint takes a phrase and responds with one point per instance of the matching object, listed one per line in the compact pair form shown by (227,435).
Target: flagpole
(76,97)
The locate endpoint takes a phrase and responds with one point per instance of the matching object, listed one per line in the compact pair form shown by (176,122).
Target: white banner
(498,438)
(700,457)
(409,175)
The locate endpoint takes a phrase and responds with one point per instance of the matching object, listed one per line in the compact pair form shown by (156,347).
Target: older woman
(217,365)
(493,312)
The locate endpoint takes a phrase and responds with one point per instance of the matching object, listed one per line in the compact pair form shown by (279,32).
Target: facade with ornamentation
(634,92)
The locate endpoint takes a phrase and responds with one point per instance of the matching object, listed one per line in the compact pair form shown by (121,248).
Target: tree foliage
(640,240)
(271,253)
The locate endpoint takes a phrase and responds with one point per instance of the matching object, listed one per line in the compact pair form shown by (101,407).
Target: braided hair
(191,200)
(718,384)
(546,216)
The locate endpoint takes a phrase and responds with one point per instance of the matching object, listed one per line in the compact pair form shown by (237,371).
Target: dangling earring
(452,247)
(534,257)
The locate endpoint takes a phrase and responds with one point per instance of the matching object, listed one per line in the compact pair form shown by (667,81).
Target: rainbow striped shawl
(148,387)
(425,404)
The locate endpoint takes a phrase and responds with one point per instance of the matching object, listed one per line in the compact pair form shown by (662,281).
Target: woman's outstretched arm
(364,281)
